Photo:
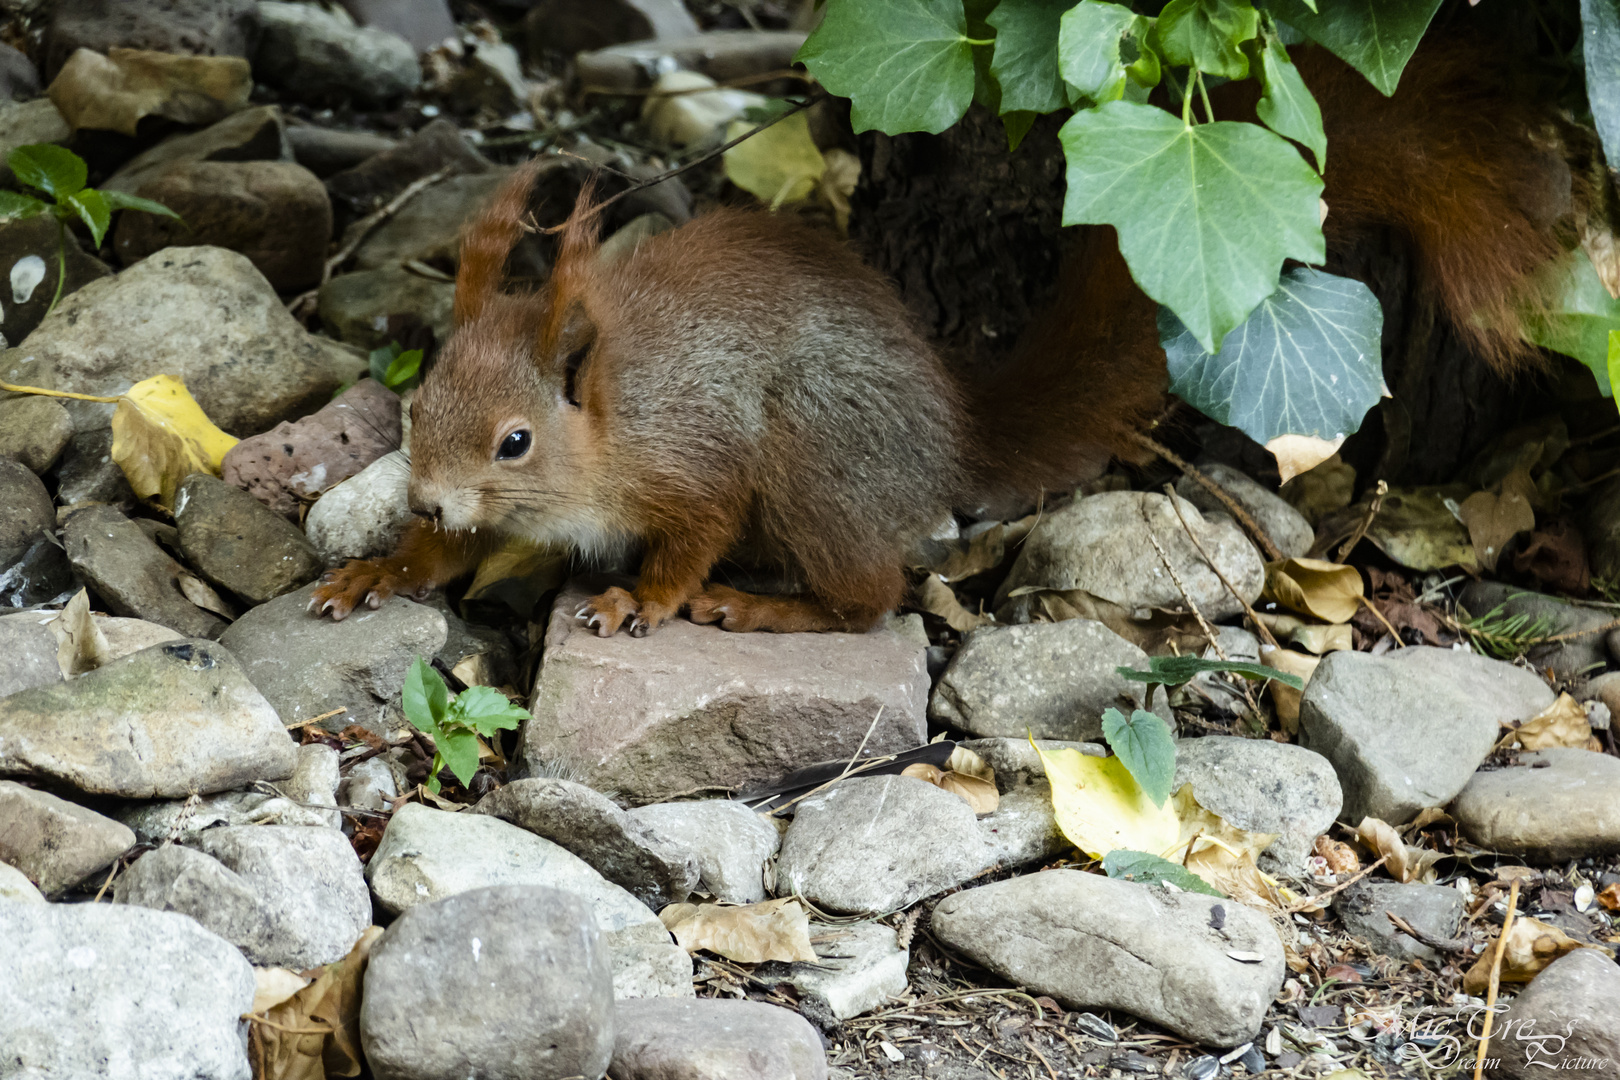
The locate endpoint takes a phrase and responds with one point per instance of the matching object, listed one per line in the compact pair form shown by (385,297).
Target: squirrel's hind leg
(804,612)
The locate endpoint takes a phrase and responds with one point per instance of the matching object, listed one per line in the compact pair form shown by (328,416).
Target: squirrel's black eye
(514,445)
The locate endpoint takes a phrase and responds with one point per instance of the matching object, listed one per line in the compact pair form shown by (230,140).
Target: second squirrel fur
(745,383)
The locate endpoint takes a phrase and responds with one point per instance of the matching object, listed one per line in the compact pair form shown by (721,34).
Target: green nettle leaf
(1146,869)
(905,65)
(1306,362)
(1025,61)
(459,749)
(425,698)
(92,210)
(52,169)
(1376,37)
(1144,744)
(117,200)
(1089,38)
(486,710)
(1177,670)
(1208,35)
(1206,214)
(15,206)
(1580,323)
(1287,106)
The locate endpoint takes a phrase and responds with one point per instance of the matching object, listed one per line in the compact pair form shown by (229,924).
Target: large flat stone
(55,842)
(716,1040)
(1555,805)
(1263,786)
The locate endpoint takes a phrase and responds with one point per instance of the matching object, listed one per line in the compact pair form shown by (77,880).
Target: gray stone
(1103,545)
(19,80)
(55,842)
(15,886)
(1564,1020)
(26,511)
(306,665)
(88,474)
(287,896)
(1023,828)
(202,314)
(860,967)
(1605,689)
(591,826)
(879,844)
(1407,730)
(314,55)
(476,654)
(1574,658)
(427,855)
(1555,805)
(358,307)
(1096,942)
(1286,526)
(257,134)
(567,27)
(166,722)
(197,27)
(730,843)
(722,55)
(428,228)
(1264,786)
(698,708)
(369,785)
(34,431)
(502,983)
(714,1039)
(26,124)
(1430,909)
(240,544)
(125,636)
(424,23)
(324,151)
(490,80)
(30,651)
(438,147)
(131,573)
(297,800)
(42,576)
(364,516)
(112,991)
(1049,680)
(36,238)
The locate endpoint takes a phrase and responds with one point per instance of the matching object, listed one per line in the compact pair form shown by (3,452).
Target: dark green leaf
(1147,869)
(15,206)
(1176,670)
(51,169)
(92,210)
(1579,323)
(1376,37)
(460,752)
(1206,214)
(1025,61)
(1017,125)
(1287,106)
(402,370)
(485,710)
(425,698)
(905,65)
(1208,35)
(118,200)
(1089,37)
(1308,361)
(1146,747)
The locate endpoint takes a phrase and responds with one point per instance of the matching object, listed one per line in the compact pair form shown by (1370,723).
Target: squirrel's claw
(607,612)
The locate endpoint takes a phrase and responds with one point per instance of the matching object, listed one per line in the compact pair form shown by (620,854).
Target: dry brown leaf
(316,1032)
(749,934)
(1429,815)
(1406,863)
(935,597)
(1318,638)
(113,92)
(1339,856)
(1531,946)
(1324,590)
(81,646)
(963,558)
(273,985)
(1494,518)
(200,593)
(977,792)
(1417,527)
(968,763)
(1563,723)
(1299,454)
(1599,244)
(1286,698)
(1328,487)
(161,436)
(1610,897)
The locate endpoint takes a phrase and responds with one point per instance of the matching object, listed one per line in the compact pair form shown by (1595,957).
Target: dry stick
(1265,631)
(1496,980)
(1209,631)
(318,719)
(1273,553)
(1309,902)
(1450,945)
(1379,615)
(1366,522)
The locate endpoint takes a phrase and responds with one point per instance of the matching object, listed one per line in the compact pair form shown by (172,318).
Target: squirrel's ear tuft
(575,260)
(488,240)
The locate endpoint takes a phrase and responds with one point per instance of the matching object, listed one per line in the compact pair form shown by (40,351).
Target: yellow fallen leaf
(1297,454)
(113,92)
(1406,863)
(1494,518)
(1328,591)
(1563,723)
(748,934)
(780,165)
(1100,807)
(1531,946)
(161,436)
(977,792)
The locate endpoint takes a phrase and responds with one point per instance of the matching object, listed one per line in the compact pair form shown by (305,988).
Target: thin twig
(1366,522)
(1379,615)
(1261,537)
(255,1018)
(318,719)
(1447,945)
(1209,631)
(850,768)
(1264,630)
(1315,902)
(1496,979)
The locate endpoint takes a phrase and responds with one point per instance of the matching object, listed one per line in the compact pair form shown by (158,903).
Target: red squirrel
(745,383)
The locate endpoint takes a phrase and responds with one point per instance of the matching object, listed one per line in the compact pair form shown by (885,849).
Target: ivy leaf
(1580,322)
(459,749)
(1025,61)
(1017,125)
(1206,214)
(905,65)
(486,710)
(1208,35)
(1306,362)
(1376,37)
(1146,869)
(1144,746)
(1600,42)
(92,209)
(15,206)
(425,698)
(52,169)
(118,200)
(1287,106)
(1089,39)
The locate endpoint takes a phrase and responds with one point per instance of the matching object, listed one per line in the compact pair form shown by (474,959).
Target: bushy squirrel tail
(1471,173)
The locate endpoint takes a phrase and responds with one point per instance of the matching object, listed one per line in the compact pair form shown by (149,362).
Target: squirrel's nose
(431,511)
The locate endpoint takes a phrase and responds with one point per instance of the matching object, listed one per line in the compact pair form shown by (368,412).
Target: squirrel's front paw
(368,581)
(607,612)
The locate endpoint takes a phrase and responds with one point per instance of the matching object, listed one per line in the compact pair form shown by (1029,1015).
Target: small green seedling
(454,724)
(61,174)
(1168,671)
(397,368)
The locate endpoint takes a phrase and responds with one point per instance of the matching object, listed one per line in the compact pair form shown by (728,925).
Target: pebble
(26,511)
(428,228)
(34,431)
(697,708)
(14,885)
(722,55)
(502,983)
(1554,805)
(362,517)
(306,665)
(359,308)
(590,825)
(88,474)
(1096,942)
(574,26)
(879,844)
(314,55)
(197,28)
(715,1039)
(1046,680)
(1023,829)
(730,843)
(30,651)
(116,991)
(324,151)
(19,79)
(1565,1020)
(1285,525)
(1264,786)
(134,576)
(424,23)
(427,855)
(35,238)
(1431,909)
(1406,731)
(55,842)
(368,184)
(238,543)
(186,719)
(860,968)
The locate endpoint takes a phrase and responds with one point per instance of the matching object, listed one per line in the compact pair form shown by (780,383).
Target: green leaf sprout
(455,723)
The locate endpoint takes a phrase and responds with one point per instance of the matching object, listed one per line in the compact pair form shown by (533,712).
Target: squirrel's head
(505,426)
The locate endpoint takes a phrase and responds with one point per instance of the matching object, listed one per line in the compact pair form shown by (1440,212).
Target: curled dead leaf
(1531,946)
(161,436)
(968,763)
(838,183)
(200,593)
(1286,698)
(935,597)
(748,934)
(81,646)
(315,1033)
(977,792)
(1563,723)
(1298,454)
(1324,590)
(1494,518)
(113,92)
(1405,863)
(1328,487)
